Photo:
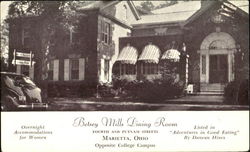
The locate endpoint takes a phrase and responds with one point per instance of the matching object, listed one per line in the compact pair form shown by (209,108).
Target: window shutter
(31,72)
(18,69)
(81,68)
(110,33)
(56,70)
(102,29)
(102,70)
(66,69)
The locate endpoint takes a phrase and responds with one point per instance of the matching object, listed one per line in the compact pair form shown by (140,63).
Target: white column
(66,69)
(110,71)
(207,68)
(56,70)
(203,75)
(230,67)
(18,69)
(233,67)
(120,68)
(81,69)
(186,73)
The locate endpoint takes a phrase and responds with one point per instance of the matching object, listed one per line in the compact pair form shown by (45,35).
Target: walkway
(201,99)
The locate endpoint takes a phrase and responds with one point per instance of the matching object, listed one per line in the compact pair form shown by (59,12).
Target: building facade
(208,45)
(83,55)
(213,36)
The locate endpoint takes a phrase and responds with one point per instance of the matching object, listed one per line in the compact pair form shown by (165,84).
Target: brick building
(212,36)
(84,55)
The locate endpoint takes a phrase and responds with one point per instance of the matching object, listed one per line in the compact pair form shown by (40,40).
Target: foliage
(106,90)
(4,66)
(160,89)
(150,5)
(57,16)
(73,89)
(230,92)
(166,4)
(147,5)
(149,91)
(236,92)
(4,32)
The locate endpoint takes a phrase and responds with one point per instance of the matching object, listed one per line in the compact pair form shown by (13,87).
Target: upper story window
(105,33)
(74,69)
(125,13)
(25,70)
(74,36)
(71,31)
(26,36)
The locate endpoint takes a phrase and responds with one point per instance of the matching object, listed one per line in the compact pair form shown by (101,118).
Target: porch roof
(150,53)
(128,55)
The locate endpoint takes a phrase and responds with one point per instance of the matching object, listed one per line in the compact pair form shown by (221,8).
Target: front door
(218,69)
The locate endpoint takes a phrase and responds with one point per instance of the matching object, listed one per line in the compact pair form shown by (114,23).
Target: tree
(166,4)
(147,5)
(56,16)
(4,32)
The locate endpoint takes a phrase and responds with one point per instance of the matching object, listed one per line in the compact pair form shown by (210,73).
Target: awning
(150,53)
(128,55)
(171,54)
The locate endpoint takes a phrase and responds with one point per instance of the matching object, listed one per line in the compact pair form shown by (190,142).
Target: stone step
(212,87)
(208,93)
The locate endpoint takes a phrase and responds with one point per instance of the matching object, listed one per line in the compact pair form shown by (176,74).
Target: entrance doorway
(218,69)
(216,61)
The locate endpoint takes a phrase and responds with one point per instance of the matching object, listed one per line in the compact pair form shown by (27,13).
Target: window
(50,70)
(73,36)
(128,69)
(125,13)
(218,44)
(149,68)
(25,70)
(106,69)
(26,36)
(106,38)
(74,69)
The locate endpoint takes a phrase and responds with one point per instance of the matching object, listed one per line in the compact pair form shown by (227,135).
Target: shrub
(236,92)
(106,90)
(87,89)
(158,89)
(72,89)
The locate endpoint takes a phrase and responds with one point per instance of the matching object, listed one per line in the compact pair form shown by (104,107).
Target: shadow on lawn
(99,107)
